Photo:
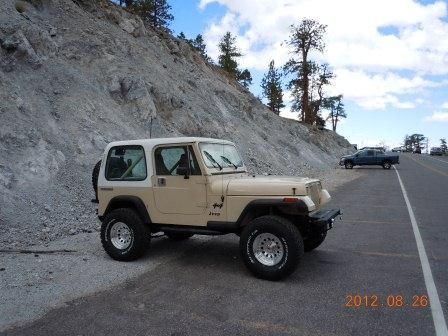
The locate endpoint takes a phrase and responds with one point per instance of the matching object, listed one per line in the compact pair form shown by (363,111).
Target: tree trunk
(305,99)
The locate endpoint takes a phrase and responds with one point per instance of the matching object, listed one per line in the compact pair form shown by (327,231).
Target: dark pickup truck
(369,157)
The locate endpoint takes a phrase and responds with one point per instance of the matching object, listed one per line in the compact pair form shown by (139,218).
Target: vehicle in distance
(374,148)
(398,149)
(185,186)
(436,151)
(417,150)
(369,157)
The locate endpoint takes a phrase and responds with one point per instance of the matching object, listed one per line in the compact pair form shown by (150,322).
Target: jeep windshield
(220,156)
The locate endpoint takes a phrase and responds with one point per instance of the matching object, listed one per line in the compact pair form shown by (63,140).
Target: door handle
(161,181)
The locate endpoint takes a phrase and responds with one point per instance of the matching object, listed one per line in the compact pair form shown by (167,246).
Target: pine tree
(272,88)
(245,78)
(199,44)
(337,110)
(443,145)
(153,12)
(229,53)
(227,60)
(182,36)
(304,39)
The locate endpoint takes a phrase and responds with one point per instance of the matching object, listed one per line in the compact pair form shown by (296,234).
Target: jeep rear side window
(126,163)
(174,161)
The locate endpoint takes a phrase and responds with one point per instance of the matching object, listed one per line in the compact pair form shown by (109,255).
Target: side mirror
(356,155)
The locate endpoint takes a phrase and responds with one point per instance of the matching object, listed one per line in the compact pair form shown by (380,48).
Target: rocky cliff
(75,75)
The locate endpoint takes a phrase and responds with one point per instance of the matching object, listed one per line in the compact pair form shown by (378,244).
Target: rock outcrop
(75,75)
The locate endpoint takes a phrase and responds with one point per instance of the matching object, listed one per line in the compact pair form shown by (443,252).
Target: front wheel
(349,165)
(387,165)
(271,247)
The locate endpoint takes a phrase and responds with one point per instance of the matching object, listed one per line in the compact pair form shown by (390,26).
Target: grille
(314,192)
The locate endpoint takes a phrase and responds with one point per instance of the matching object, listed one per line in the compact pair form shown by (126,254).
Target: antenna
(150,126)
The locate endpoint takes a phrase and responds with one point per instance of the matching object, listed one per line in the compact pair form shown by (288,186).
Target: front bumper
(322,220)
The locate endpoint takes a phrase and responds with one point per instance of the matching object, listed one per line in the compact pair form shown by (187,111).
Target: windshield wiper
(226,160)
(210,157)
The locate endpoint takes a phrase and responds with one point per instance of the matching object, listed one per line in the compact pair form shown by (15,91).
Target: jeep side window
(126,163)
(370,153)
(174,161)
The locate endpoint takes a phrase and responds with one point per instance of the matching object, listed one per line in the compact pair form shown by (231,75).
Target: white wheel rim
(268,249)
(121,235)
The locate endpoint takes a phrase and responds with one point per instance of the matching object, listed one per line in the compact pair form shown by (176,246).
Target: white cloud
(445,105)
(438,116)
(353,37)
(420,101)
(366,58)
(377,90)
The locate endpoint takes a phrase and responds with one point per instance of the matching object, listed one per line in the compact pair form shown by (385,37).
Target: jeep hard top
(185,186)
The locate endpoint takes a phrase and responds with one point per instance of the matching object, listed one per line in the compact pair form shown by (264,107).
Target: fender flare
(296,208)
(129,201)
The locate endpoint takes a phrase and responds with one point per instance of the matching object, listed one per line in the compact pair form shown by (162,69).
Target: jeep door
(178,184)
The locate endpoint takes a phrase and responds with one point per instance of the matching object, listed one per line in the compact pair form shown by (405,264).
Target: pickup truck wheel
(178,236)
(387,165)
(271,247)
(123,235)
(314,242)
(349,165)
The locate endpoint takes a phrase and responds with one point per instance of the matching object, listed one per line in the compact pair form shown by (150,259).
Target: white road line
(436,308)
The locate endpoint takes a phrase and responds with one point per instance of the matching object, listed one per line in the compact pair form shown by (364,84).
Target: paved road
(373,252)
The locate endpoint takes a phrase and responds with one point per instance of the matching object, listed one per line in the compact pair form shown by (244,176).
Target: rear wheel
(349,165)
(178,236)
(123,235)
(387,165)
(271,247)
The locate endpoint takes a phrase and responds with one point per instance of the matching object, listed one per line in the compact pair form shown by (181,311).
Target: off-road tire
(95,174)
(314,242)
(178,236)
(349,165)
(140,235)
(386,165)
(291,243)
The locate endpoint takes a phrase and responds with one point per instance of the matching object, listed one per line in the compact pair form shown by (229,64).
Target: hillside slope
(75,75)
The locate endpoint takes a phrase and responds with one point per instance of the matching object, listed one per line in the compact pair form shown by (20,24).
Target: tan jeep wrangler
(187,186)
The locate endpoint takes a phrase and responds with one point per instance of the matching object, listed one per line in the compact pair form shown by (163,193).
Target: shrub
(21,6)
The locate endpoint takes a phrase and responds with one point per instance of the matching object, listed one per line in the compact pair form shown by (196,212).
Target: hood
(269,185)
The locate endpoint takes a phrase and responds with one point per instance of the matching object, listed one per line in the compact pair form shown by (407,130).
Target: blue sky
(390,57)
